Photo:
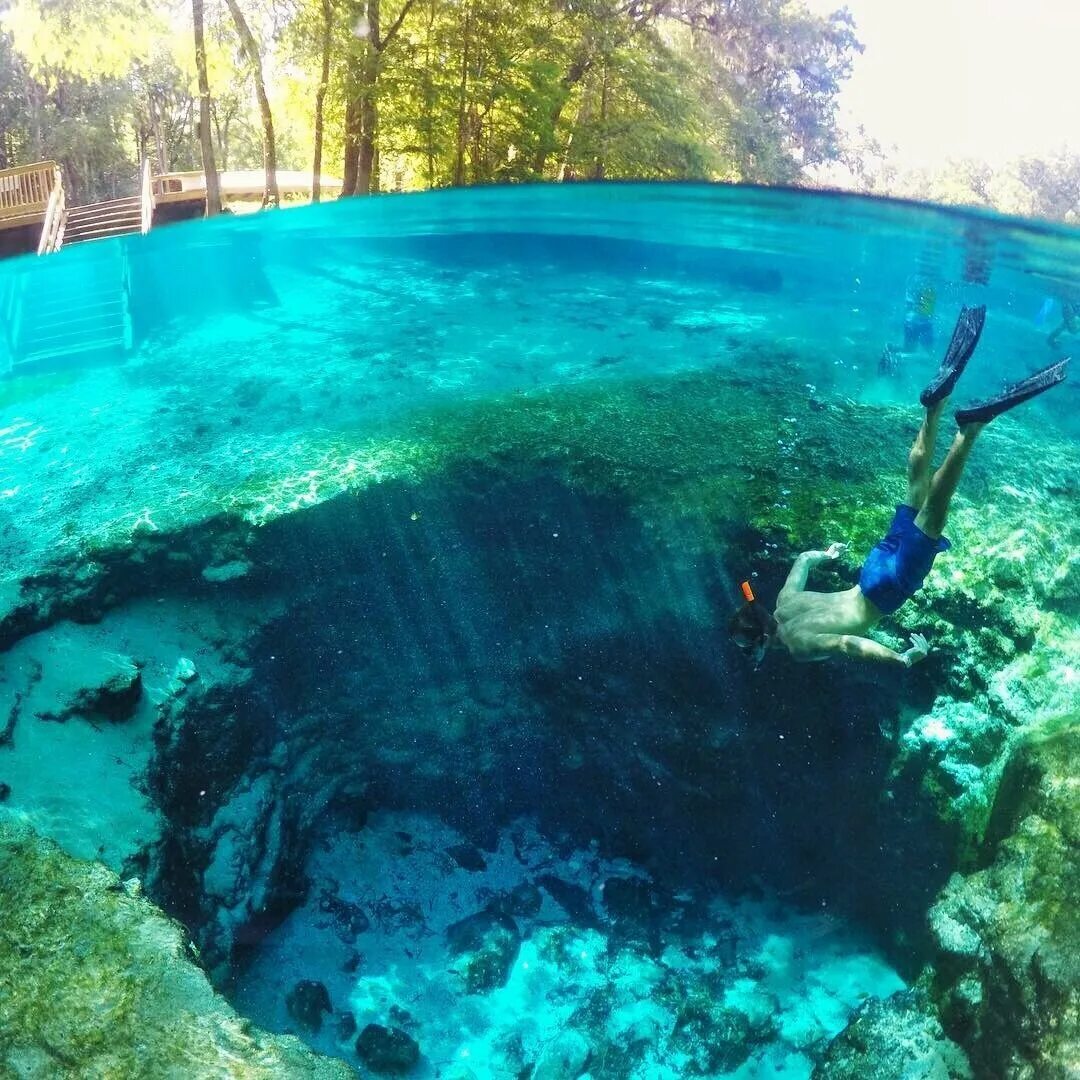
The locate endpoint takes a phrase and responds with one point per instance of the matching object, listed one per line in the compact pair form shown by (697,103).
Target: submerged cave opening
(496,653)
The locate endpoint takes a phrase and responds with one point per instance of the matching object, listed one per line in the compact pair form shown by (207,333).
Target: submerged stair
(73,307)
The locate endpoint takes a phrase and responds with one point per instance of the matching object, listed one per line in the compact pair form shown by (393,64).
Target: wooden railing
(26,190)
(148,199)
(52,229)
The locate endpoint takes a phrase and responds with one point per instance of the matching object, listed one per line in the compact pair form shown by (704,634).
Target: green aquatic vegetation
(20,388)
(95,981)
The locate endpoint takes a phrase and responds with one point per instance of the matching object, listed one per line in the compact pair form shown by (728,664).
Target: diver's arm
(800,570)
(865,649)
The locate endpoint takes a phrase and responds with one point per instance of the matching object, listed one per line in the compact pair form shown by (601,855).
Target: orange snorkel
(747,592)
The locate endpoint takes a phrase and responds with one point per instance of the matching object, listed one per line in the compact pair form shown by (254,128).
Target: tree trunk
(159,138)
(206,138)
(320,98)
(361,135)
(352,147)
(251,47)
(580,65)
(429,100)
(599,166)
(369,115)
(463,89)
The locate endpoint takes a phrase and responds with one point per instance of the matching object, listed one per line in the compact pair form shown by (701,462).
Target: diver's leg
(931,518)
(921,456)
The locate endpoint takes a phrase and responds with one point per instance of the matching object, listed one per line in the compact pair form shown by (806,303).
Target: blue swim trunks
(897,566)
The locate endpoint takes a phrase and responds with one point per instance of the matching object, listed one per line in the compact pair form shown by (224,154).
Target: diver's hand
(834,551)
(919,648)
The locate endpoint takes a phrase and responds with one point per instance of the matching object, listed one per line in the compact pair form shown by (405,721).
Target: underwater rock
(467,856)
(225,572)
(238,810)
(573,899)
(349,918)
(386,1050)
(96,981)
(488,944)
(715,1039)
(1007,974)
(91,683)
(524,900)
(564,1058)
(628,898)
(306,1002)
(899,1038)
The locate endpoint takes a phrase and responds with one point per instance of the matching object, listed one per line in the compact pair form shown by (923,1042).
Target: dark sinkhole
(466,653)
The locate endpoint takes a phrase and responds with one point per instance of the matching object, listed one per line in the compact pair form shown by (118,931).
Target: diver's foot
(983,412)
(969,327)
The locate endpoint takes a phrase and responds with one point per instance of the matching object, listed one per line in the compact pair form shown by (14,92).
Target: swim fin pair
(965,337)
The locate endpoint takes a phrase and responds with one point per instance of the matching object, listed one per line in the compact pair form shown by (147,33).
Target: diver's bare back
(809,622)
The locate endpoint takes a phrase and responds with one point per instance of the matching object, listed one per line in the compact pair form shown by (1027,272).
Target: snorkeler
(1070,322)
(816,625)
(920,300)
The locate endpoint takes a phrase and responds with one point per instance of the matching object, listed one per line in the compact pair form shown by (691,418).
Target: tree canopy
(425,93)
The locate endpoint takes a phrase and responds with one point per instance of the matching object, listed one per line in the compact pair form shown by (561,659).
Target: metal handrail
(148,200)
(52,229)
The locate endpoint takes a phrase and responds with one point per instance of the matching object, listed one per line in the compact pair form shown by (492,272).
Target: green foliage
(443,91)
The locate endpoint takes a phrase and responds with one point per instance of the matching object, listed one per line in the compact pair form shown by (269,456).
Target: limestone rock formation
(95,981)
(1008,969)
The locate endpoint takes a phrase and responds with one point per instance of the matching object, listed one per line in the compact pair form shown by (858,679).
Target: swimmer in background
(920,301)
(1070,322)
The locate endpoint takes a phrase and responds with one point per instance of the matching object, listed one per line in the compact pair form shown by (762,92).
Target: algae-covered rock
(487,945)
(899,1038)
(388,1051)
(564,1058)
(1008,969)
(95,981)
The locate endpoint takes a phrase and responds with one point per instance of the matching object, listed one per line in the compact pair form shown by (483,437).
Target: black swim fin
(1043,380)
(965,337)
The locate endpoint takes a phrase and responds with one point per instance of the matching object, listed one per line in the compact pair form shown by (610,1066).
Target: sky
(940,79)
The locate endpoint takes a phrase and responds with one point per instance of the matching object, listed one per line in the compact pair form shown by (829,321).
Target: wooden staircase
(99,221)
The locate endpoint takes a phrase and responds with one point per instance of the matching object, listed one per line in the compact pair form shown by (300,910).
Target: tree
(363,68)
(776,71)
(206,141)
(251,49)
(320,98)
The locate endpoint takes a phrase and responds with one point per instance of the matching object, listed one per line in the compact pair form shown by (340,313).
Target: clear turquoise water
(253,331)
(260,341)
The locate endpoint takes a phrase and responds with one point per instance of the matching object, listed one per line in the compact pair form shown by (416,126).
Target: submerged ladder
(77,307)
(53,310)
